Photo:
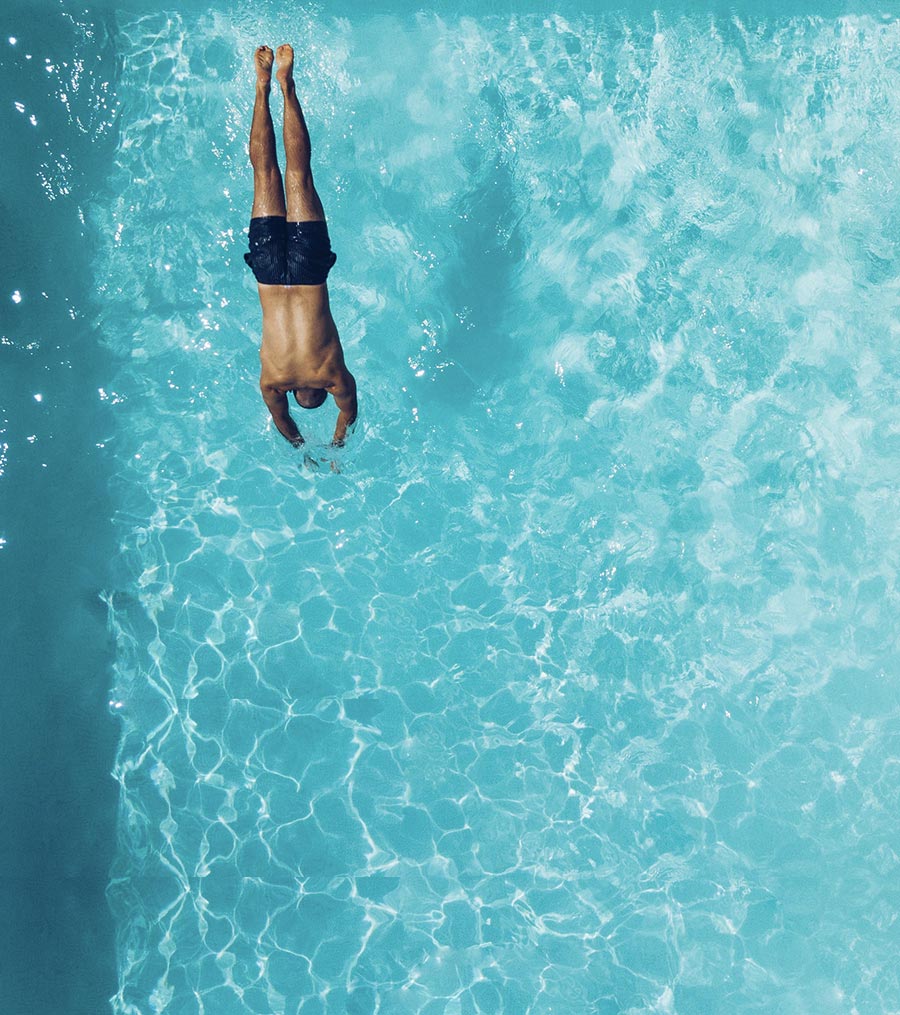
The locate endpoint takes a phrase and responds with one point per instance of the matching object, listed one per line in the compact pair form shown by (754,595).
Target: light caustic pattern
(575,689)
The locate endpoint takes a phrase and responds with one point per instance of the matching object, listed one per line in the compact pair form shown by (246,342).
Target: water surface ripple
(575,689)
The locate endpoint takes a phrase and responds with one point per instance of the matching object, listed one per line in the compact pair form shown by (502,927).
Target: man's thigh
(268,193)
(303,203)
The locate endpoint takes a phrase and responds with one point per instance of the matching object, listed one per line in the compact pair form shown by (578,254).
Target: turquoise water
(57,739)
(571,684)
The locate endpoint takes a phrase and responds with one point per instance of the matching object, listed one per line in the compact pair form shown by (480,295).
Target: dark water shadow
(480,282)
(57,738)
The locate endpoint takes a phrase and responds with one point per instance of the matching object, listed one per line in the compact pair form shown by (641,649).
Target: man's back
(299,337)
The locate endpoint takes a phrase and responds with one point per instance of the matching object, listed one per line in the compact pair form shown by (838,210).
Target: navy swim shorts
(289,253)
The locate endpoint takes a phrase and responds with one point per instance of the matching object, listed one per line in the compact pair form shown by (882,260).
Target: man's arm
(344,395)
(277,404)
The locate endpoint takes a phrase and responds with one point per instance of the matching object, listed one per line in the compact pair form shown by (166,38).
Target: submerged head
(310,398)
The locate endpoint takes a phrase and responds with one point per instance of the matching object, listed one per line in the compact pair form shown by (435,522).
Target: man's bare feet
(264,58)
(285,72)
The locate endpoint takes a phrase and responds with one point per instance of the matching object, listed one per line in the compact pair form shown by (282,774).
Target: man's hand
(344,395)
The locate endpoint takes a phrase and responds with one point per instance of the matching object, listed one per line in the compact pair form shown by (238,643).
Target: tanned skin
(301,351)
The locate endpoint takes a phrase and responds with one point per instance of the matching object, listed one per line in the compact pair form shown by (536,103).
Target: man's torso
(300,344)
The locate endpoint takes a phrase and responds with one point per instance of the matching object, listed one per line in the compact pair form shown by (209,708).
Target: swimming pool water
(57,740)
(572,685)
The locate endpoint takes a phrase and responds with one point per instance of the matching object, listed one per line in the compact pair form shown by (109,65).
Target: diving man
(290,256)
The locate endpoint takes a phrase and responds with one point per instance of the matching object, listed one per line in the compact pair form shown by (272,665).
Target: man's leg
(303,204)
(268,192)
